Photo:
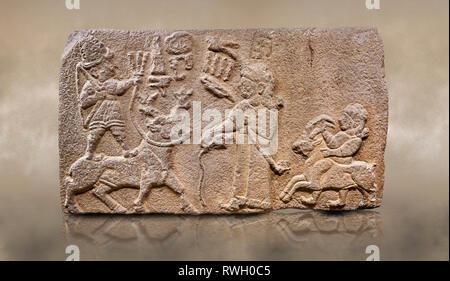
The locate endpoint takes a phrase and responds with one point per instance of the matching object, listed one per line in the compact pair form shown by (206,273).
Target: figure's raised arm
(123,86)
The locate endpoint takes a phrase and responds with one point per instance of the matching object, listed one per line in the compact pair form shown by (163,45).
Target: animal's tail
(202,176)
(67,182)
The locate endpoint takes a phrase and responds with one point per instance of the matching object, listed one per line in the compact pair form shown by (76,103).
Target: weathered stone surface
(222,121)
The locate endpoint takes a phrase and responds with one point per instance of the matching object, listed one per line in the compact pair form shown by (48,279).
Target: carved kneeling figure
(333,166)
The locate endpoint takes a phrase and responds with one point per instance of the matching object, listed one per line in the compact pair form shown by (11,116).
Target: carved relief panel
(222,121)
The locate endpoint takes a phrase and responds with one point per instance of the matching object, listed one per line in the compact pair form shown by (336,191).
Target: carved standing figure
(101,91)
(256,88)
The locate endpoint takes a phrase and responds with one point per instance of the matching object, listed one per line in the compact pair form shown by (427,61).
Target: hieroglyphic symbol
(178,43)
(179,47)
(157,65)
(218,65)
(261,45)
(158,77)
(138,61)
(220,59)
(174,65)
(332,167)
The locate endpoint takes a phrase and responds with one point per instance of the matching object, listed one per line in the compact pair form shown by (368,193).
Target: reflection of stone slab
(282,234)
(135,110)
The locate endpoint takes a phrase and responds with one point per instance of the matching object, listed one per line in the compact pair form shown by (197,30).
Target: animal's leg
(318,170)
(72,188)
(294,188)
(340,201)
(144,190)
(102,191)
(313,183)
(365,195)
(149,179)
(368,197)
(363,176)
(173,183)
(288,187)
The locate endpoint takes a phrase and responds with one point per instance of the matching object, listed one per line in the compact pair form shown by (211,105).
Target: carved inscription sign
(222,121)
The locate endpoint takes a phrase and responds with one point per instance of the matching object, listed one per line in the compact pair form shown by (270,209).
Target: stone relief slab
(222,121)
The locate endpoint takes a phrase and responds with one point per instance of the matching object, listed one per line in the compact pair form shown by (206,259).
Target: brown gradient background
(413,222)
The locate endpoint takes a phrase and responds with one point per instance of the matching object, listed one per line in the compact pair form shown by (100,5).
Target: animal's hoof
(307,200)
(335,203)
(282,194)
(72,208)
(139,209)
(363,204)
(286,198)
(191,209)
(120,210)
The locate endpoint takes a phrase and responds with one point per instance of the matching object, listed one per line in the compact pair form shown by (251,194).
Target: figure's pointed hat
(93,52)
